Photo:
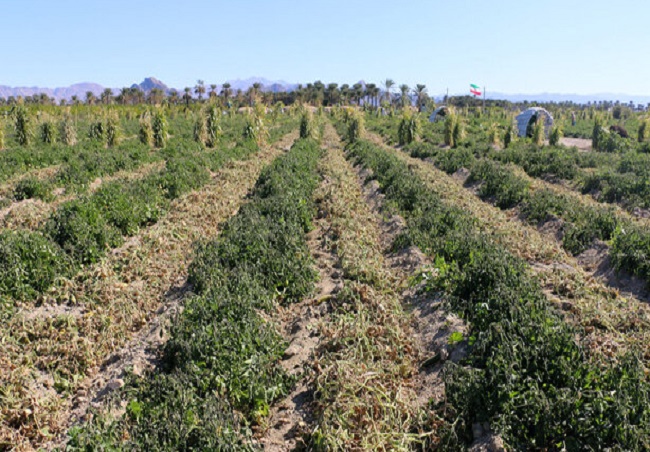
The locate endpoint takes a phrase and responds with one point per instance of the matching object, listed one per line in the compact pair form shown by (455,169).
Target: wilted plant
(255,129)
(356,127)
(200,130)
(68,132)
(450,124)
(146,129)
(112,129)
(308,128)
(493,134)
(160,132)
(23,125)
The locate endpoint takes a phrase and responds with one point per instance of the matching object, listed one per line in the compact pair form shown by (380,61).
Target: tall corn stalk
(160,132)
(146,129)
(213,126)
(23,126)
(68,132)
(48,131)
(200,130)
(409,128)
(112,129)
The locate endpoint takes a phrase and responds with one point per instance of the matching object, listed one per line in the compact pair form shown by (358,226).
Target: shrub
(200,130)
(30,263)
(644,131)
(32,187)
(356,128)
(82,231)
(212,126)
(112,129)
(130,206)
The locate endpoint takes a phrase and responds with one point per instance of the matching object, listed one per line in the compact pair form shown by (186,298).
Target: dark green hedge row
(525,373)
(222,354)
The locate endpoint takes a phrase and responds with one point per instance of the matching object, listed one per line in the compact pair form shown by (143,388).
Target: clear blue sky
(510,46)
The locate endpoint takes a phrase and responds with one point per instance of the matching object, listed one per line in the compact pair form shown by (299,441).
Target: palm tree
(75,100)
(173,97)
(420,91)
(345,93)
(332,93)
(357,92)
(253,92)
(187,95)
(404,93)
(199,89)
(226,92)
(90,98)
(107,96)
(213,91)
(388,84)
(370,92)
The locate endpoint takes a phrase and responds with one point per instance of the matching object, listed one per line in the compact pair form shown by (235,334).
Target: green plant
(450,125)
(213,127)
(556,135)
(493,134)
(510,136)
(308,127)
(538,130)
(145,133)
(82,231)
(29,263)
(31,187)
(644,131)
(409,128)
(159,129)
(23,126)
(48,132)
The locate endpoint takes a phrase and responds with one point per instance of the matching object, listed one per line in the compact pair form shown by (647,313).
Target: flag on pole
(475,89)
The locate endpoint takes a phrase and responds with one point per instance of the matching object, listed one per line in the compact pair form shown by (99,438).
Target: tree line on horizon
(389,94)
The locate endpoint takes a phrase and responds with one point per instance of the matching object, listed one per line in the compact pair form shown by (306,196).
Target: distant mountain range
(149,83)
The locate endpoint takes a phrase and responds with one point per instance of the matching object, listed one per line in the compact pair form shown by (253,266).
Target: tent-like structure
(439,114)
(527,118)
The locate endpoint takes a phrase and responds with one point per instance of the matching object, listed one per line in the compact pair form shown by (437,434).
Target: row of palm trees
(316,94)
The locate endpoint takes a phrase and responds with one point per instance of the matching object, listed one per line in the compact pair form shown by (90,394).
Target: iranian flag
(475,89)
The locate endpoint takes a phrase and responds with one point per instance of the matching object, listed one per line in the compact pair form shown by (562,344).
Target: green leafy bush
(29,263)
(82,231)
(31,187)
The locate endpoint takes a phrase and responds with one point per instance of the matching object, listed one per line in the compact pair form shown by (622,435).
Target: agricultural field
(198,278)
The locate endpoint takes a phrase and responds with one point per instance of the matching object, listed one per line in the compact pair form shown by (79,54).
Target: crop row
(614,177)
(583,224)
(221,367)
(82,230)
(525,373)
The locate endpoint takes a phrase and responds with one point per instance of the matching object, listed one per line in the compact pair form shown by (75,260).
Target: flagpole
(484,99)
